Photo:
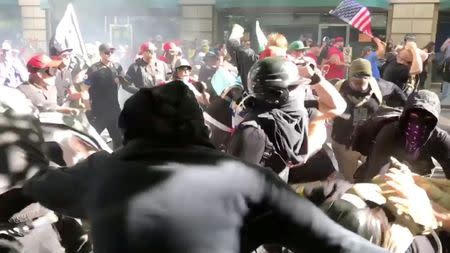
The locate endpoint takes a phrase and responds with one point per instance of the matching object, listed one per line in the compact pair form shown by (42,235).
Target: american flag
(355,14)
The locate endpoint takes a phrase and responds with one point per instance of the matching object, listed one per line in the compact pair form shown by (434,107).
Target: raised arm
(303,227)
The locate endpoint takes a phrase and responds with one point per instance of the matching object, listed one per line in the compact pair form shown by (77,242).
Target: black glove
(12,202)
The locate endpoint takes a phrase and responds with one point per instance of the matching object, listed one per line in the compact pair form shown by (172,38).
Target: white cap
(182,63)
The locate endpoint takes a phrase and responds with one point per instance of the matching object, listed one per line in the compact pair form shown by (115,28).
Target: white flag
(68,35)
(262,40)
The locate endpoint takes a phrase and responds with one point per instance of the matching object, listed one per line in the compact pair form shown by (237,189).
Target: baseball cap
(105,47)
(182,63)
(170,46)
(297,46)
(147,46)
(339,39)
(41,61)
(360,67)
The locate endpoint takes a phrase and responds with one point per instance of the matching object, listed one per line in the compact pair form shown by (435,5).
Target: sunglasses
(108,52)
(48,71)
(183,68)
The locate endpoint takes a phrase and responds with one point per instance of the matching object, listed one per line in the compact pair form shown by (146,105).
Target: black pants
(110,122)
(422,78)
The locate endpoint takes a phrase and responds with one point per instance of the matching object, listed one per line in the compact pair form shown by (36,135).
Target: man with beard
(148,71)
(363,97)
(414,139)
(150,195)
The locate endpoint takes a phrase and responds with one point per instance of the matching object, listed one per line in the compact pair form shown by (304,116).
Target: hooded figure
(414,139)
(167,190)
(274,132)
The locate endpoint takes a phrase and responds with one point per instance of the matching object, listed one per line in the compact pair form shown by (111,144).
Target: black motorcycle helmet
(272,79)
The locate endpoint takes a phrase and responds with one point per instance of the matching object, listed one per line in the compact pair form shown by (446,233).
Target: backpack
(365,133)
(270,157)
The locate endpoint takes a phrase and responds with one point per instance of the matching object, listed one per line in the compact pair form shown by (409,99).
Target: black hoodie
(391,140)
(272,137)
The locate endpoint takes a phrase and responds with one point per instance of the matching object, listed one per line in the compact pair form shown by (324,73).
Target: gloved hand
(12,202)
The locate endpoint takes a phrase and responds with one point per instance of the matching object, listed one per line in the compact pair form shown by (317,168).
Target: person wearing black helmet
(274,132)
(168,190)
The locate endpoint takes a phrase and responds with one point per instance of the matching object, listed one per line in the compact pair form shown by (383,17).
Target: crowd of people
(226,149)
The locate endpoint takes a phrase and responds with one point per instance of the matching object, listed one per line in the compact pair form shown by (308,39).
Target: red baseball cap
(41,61)
(170,46)
(339,39)
(147,46)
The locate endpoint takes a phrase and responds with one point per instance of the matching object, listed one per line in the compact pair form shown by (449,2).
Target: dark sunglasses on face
(108,52)
(48,71)
(183,68)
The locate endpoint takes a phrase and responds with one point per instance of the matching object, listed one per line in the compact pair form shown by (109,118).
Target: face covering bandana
(417,133)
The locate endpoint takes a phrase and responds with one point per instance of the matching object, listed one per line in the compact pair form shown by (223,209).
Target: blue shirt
(373,58)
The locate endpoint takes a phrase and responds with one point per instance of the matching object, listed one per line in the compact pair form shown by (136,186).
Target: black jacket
(359,108)
(243,58)
(390,141)
(395,72)
(393,96)
(103,90)
(187,199)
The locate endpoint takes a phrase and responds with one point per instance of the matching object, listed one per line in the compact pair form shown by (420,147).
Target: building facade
(138,20)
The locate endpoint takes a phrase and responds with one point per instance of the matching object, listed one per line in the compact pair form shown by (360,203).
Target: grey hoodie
(391,139)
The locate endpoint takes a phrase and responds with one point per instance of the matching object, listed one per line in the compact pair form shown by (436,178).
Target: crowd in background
(359,140)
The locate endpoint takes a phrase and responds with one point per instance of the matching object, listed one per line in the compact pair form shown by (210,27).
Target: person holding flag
(355,14)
